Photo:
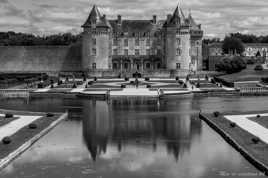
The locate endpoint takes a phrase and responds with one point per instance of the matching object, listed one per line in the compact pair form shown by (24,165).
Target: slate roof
(96,17)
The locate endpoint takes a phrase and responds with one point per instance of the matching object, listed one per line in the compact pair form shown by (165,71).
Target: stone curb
(5,161)
(253,160)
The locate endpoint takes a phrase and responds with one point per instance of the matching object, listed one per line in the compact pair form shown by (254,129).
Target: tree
(232,45)
(231,64)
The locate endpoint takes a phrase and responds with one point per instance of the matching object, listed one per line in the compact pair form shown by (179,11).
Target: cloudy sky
(217,17)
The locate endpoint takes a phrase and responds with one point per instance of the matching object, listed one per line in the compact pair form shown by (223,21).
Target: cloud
(217,17)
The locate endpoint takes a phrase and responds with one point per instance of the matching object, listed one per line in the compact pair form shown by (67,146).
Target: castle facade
(174,43)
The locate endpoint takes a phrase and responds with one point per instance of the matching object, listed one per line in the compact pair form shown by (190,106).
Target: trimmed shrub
(198,85)
(184,85)
(258,68)
(123,86)
(40,85)
(132,82)
(50,114)
(148,86)
(232,124)
(6,140)
(32,126)
(90,83)
(95,79)
(177,78)
(216,114)
(264,79)
(51,86)
(187,78)
(258,116)
(74,86)
(255,140)
(147,79)
(8,115)
(126,79)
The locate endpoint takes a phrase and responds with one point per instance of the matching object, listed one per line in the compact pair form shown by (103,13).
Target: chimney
(154,19)
(119,19)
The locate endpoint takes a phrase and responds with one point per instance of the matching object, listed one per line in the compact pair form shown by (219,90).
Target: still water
(129,138)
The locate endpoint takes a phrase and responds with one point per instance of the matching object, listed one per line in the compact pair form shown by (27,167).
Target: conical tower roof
(96,18)
(178,17)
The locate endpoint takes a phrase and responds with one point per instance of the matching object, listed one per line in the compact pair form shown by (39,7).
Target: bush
(233,124)
(6,140)
(32,126)
(59,82)
(40,85)
(50,114)
(258,116)
(95,79)
(231,64)
(184,85)
(8,115)
(74,86)
(177,78)
(198,85)
(216,114)
(250,61)
(123,86)
(255,140)
(147,79)
(148,86)
(258,68)
(264,79)
(90,83)
(126,79)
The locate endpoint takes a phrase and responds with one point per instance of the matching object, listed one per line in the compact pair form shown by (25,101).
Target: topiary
(232,124)
(50,114)
(255,140)
(148,86)
(32,126)
(126,79)
(6,140)
(177,78)
(216,114)
(8,115)
(123,86)
(90,83)
(95,79)
(258,116)
(74,86)
(147,79)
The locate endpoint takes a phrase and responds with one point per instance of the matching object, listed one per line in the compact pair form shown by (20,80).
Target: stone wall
(48,59)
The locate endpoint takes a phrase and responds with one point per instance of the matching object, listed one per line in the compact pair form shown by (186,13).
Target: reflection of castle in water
(124,122)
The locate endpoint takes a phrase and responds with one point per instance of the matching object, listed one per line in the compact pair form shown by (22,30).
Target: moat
(136,137)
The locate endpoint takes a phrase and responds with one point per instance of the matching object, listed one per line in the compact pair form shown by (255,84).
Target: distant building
(212,53)
(125,45)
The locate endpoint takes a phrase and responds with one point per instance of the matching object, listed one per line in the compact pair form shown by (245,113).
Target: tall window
(137,42)
(158,52)
(147,42)
(178,65)
(178,51)
(148,65)
(94,41)
(115,52)
(125,42)
(94,51)
(94,66)
(147,51)
(137,52)
(125,52)
(178,41)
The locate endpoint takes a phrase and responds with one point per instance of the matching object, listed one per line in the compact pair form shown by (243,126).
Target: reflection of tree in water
(125,122)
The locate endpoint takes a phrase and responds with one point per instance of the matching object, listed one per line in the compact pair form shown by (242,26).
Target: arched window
(148,65)
(94,66)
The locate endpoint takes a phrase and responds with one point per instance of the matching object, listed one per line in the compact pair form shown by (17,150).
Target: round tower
(96,42)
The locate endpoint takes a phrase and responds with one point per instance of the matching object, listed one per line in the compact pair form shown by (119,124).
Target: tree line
(23,39)
(244,38)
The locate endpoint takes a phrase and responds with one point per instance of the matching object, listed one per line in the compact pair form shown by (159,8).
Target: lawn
(260,120)
(248,74)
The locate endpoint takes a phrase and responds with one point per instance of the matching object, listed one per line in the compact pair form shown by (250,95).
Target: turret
(96,41)
(177,41)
